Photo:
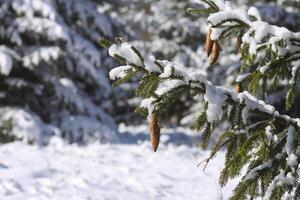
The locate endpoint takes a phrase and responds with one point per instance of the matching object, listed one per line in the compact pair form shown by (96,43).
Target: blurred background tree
(53,73)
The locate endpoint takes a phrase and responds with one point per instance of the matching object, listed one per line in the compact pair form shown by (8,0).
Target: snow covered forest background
(67,133)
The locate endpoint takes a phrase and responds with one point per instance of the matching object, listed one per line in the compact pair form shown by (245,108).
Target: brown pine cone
(208,43)
(238,88)
(238,44)
(154,132)
(215,53)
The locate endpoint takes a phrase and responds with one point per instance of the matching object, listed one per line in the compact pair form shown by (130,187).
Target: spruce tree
(53,78)
(261,143)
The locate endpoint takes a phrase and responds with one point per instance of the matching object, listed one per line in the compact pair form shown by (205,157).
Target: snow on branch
(41,54)
(265,49)
(159,90)
(175,78)
(257,137)
(248,141)
(257,33)
(29,8)
(41,26)
(214,96)
(6,63)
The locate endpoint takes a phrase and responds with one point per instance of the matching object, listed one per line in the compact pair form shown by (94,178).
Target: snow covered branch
(163,83)
(269,53)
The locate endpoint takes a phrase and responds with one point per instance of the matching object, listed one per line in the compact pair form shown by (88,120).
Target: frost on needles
(258,140)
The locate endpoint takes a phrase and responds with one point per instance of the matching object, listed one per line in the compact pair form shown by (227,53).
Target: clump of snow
(262,29)
(254,172)
(215,100)
(253,11)
(292,160)
(195,76)
(251,103)
(119,72)
(223,16)
(6,63)
(44,7)
(264,69)
(149,104)
(45,54)
(296,66)
(150,65)
(42,26)
(125,50)
(168,69)
(68,83)
(242,77)
(168,85)
(290,140)
(269,133)
(289,179)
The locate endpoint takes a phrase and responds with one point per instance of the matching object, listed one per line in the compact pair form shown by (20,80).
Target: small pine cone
(154,132)
(208,43)
(215,53)
(238,44)
(238,88)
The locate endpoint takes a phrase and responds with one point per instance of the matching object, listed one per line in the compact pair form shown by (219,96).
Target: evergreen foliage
(258,139)
(154,30)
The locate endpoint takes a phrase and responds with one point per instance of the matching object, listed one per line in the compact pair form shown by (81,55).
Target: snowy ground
(125,170)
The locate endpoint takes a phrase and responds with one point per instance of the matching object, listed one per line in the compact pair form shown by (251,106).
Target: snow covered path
(108,172)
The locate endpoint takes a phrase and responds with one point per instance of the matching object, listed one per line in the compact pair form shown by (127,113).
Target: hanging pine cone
(154,132)
(208,43)
(238,88)
(215,52)
(238,44)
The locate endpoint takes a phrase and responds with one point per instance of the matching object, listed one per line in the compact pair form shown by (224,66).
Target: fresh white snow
(125,170)
(119,72)
(125,51)
(6,63)
(168,85)
(148,103)
(215,101)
